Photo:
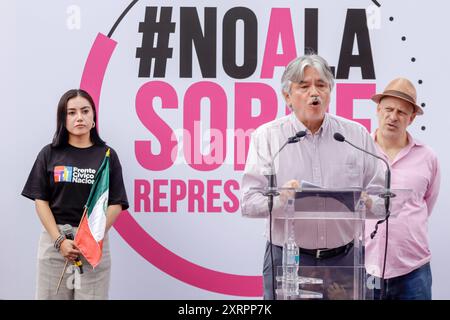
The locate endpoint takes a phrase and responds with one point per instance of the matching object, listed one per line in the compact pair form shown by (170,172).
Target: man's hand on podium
(337,292)
(368,202)
(287,194)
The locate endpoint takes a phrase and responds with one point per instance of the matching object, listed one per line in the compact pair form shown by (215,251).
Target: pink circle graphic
(134,234)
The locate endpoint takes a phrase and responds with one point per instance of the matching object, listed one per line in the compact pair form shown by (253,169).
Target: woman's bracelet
(58,241)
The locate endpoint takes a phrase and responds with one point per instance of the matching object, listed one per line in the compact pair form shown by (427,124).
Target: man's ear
(411,119)
(287,97)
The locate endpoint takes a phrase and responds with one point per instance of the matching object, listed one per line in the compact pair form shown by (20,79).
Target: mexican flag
(89,238)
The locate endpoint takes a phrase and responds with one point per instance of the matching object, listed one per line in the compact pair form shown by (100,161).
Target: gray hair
(295,70)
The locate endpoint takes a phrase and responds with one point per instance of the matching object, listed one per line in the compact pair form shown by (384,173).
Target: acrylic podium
(344,211)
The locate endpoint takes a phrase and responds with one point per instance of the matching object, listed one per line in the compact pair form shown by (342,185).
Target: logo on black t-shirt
(73,174)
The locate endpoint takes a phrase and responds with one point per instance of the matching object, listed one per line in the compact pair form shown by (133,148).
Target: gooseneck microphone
(387,195)
(272,178)
(294,139)
(68,233)
(272,185)
(297,137)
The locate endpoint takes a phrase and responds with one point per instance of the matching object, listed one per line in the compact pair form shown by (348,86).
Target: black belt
(327,253)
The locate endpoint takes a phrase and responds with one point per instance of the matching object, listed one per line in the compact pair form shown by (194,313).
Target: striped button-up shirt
(318,158)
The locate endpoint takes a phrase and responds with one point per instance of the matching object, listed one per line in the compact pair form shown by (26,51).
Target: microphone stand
(387,195)
(272,192)
(387,199)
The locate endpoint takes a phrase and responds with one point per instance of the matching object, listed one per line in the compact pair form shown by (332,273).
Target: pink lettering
(211,195)
(158,195)
(218,125)
(346,93)
(177,193)
(196,190)
(232,205)
(280,28)
(149,118)
(245,122)
(141,193)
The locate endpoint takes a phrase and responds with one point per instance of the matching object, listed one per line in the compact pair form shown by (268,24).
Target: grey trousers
(91,285)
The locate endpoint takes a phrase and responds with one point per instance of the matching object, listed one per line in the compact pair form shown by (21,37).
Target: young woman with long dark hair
(59,183)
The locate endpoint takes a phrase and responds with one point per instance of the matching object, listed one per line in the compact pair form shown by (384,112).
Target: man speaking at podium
(316,157)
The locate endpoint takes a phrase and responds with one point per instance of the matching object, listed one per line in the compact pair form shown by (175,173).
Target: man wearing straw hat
(413,166)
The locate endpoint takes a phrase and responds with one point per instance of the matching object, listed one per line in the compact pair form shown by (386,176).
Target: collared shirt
(415,167)
(318,158)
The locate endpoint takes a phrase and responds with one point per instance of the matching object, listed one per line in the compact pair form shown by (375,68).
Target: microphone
(387,198)
(295,138)
(68,233)
(387,195)
(339,137)
(272,179)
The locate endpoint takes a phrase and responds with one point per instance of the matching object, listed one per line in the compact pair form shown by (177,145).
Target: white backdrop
(45,46)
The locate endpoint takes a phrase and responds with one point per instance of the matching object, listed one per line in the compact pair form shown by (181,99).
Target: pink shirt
(415,167)
(317,158)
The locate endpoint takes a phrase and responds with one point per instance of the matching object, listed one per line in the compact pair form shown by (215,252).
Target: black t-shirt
(64,176)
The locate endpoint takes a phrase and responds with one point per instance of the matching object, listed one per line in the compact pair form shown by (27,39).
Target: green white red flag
(89,238)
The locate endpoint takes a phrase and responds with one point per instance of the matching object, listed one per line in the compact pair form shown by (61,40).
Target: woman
(59,183)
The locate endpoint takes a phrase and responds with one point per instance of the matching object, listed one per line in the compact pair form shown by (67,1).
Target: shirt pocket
(348,175)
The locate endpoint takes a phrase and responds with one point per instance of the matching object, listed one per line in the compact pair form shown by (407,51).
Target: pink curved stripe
(95,67)
(134,234)
(182,269)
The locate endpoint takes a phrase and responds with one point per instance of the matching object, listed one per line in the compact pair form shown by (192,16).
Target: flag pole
(67,261)
(82,217)
(84,213)
(62,275)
